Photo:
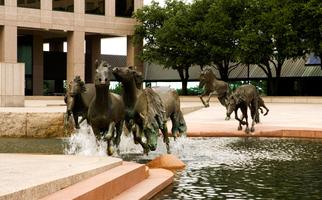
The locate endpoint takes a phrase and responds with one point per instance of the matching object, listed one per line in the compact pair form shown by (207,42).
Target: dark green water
(223,168)
(235,168)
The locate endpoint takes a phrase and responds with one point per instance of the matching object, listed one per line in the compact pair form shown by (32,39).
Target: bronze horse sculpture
(106,110)
(244,97)
(211,86)
(261,104)
(148,110)
(77,99)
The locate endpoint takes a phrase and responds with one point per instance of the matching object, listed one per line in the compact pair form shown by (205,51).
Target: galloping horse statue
(245,96)
(211,86)
(106,110)
(77,99)
(148,110)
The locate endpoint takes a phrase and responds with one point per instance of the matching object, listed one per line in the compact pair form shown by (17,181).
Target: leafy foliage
(225,33)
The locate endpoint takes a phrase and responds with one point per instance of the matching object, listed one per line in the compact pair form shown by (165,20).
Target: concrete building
(25,25)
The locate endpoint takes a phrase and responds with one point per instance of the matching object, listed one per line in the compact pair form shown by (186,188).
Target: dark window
(1,2)
(96,7)
(124,8)
(63,5)
(29,3)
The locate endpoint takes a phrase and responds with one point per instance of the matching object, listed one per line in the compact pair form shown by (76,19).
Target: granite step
(106,185)
(30,176)
(158,180)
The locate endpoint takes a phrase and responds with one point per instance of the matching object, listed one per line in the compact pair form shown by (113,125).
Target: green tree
(268,37)
(220,28)
(167,34)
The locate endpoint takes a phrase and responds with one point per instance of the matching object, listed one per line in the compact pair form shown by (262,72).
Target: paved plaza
(302,118)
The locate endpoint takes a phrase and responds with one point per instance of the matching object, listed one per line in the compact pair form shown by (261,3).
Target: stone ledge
(15,124)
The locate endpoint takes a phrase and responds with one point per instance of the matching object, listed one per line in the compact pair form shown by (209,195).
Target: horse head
(128,74)
(75,87)
(150,130)
(102,76)
(206,76)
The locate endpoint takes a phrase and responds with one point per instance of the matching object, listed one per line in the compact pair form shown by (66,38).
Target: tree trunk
(184,87)
(184,76)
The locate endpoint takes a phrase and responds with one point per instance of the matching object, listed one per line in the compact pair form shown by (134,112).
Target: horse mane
(137,76)
(155,106)
(81,83)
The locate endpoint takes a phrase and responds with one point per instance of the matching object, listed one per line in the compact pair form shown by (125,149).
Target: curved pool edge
(300,133)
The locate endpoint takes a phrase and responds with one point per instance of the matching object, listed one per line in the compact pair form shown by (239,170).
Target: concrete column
(56,45)
(110,8)
(93,51)
(75,55)
(10,3)
(8,42)
(46,5)
(38,65)
(132,54)
(138,4)
(79,7)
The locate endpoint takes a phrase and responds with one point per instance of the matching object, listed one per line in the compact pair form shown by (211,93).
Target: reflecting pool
(248,168)
(216,168)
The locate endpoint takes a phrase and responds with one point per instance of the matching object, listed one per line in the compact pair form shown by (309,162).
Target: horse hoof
(227,118)
(252,129)
(239,128)
(247,130)
(110,151)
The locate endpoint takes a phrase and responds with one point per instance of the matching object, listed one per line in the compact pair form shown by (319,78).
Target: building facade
(25,25)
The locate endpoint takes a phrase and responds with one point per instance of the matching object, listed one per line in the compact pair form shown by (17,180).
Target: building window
(63,5)
(124,8)
(1,2)
(29,3)
(96,7)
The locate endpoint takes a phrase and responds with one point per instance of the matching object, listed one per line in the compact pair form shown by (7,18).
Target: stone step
(106,185)
(28,176)
(158,180)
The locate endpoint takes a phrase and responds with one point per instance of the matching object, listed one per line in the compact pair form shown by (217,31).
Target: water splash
(83,142)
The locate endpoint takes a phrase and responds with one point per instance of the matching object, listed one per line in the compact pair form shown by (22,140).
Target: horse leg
(108,137)
(254,114)
(201,98)
(110,132)
(119,129)
(75,116)
(164,131)
(175,125)
(137,138)
(266,110)
(237,118)
(244,112)
(182,124)
(109,148)
(209,96)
